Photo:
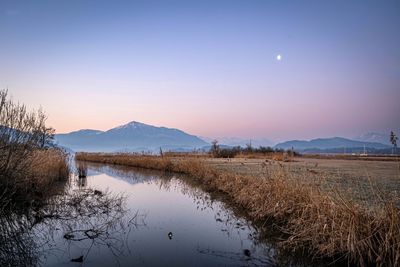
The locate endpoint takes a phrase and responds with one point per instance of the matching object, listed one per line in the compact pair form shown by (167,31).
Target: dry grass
(187,154)
(354,157)
(49,166)
(352,178)
(44,168)
(277,156)
(312,221)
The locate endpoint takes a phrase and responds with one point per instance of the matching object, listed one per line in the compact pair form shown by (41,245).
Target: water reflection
(237,239)
(86,220)
(124,216)
(17,244)
(67,226)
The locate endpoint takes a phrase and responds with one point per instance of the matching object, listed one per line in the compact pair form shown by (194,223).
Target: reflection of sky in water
(205,233)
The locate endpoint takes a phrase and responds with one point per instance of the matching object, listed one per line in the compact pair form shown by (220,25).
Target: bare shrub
(28,160)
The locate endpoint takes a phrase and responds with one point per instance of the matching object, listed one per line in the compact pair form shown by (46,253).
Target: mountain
(329,144)
(131,137)
(383,138)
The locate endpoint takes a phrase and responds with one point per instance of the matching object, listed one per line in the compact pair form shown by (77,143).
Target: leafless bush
(28,160)
(21,132)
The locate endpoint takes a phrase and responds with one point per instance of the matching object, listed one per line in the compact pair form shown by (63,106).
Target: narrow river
(164,220)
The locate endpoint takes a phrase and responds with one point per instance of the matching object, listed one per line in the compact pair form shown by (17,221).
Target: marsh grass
(44,171)
(312,221)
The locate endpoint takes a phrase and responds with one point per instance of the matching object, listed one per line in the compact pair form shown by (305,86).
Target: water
(163,220)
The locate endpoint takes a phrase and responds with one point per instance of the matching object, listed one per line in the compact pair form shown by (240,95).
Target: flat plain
(358,179)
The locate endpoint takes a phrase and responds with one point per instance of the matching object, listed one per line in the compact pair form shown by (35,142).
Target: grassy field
(316,214)
(358,179)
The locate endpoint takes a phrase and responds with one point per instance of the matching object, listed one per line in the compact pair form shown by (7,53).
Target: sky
(252,69)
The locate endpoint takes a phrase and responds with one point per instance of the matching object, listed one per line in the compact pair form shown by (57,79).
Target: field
(357,178)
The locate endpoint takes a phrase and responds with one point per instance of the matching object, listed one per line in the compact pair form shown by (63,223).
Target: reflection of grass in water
(17,245)
(244,257)
(87,217)
(92,218)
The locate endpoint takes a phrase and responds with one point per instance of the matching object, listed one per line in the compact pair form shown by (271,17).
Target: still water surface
(167,221)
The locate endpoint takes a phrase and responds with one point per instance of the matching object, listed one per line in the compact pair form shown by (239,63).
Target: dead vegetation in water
(312,221)
(84,218)
(90,219)
(82,170)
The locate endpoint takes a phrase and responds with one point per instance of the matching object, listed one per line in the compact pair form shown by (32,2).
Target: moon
(279,57)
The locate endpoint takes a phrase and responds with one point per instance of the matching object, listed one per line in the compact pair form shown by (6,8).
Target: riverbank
(311,221)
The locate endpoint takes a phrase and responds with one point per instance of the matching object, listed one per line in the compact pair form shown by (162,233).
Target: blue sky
(207,67)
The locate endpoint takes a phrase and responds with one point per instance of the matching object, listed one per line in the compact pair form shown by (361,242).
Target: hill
(329,144)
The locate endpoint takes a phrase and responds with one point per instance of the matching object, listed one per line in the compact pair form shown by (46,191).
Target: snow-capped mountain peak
(130,125)
(133,136)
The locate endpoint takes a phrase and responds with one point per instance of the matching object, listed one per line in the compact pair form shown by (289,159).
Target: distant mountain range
(383,138)
(335,145)
(131,137)
(138,137)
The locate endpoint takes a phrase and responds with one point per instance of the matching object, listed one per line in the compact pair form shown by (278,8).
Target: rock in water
(79,259)
(247,252)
